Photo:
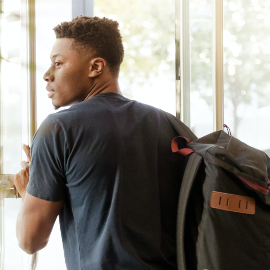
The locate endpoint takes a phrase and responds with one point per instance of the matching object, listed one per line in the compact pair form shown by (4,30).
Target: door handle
(7,184)
(7,180)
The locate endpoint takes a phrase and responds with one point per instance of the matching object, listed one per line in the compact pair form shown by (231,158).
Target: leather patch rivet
(232,202)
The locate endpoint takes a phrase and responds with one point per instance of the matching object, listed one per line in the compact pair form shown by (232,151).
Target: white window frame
(183,71)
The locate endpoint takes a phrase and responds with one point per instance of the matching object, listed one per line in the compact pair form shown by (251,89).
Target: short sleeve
(47,179)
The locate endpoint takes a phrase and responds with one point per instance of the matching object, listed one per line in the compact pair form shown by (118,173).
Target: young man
(104,165)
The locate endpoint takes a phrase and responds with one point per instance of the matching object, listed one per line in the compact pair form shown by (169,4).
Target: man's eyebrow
(55,55)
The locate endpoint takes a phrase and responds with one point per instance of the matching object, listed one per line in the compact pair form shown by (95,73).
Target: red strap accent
(174,145)
(183,151)
(261,189)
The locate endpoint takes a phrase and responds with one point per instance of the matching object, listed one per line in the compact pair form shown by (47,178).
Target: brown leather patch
(232,202)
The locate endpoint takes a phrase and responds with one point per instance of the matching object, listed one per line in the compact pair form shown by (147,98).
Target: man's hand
(22,178)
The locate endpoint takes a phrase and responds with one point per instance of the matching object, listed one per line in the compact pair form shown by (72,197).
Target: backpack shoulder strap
(192,167)
(180,127)
(191,170)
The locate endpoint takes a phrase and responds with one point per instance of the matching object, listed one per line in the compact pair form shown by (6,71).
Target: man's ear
(96,67)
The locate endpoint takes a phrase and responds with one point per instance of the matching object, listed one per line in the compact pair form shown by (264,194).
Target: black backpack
(223,220)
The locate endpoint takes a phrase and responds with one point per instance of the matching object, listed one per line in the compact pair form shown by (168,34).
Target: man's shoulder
(105,102)
(107,109)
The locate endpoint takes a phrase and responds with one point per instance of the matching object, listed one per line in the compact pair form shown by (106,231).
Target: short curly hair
(100,35)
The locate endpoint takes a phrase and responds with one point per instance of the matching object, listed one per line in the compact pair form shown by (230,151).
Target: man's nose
(48,76)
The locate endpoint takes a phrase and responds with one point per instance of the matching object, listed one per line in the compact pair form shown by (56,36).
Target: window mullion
(217,45)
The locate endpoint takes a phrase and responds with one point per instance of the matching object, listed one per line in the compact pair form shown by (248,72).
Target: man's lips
(50,92)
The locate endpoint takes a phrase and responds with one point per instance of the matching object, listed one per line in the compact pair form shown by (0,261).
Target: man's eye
(57,64)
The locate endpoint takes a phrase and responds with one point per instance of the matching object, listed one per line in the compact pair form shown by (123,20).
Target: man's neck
(108,86)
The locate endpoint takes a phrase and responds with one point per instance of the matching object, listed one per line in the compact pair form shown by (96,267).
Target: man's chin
(56,107)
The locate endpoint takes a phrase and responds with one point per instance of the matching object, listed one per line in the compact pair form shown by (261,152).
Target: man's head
(88,51)
(100,37)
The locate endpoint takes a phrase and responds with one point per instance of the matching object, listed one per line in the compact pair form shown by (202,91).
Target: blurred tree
(246,53)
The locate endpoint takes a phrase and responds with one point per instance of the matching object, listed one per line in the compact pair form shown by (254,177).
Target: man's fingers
(21,180)
(24,164)
(26,150)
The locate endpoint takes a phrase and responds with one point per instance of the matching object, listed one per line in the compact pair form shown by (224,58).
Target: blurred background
(147,75)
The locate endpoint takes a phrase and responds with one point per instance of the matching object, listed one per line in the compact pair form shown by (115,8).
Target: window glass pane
(148,30)
(11,124)
(201,96)
(14,257)
(246,71)
(10,87)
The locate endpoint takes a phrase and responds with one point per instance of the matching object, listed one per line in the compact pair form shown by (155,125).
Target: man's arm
(35,222)
(36,217)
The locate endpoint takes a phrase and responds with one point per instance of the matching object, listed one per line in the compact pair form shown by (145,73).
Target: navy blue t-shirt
(109,158)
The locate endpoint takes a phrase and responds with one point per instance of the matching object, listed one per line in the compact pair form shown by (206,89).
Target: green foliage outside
(246,53)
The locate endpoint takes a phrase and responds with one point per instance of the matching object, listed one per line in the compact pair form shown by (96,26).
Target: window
(11,120)
(246,66)
(201,65)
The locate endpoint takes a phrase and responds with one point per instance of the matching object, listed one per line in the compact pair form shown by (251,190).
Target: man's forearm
(26,243)
(18,223)
(19,226)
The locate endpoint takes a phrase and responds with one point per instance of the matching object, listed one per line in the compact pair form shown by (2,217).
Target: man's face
(67,78)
